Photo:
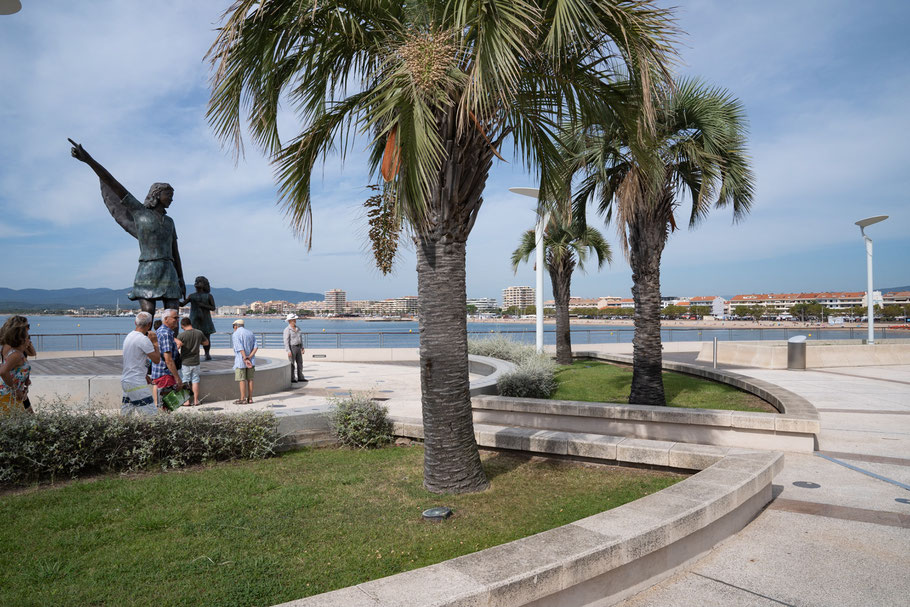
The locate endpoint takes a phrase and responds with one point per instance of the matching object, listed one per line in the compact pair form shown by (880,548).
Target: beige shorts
(242,374)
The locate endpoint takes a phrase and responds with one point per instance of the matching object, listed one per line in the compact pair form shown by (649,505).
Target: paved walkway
(838,532)
(399,383)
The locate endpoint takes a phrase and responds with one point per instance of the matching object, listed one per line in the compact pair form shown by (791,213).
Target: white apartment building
(315,305)
(398,306)
(520,297)
(717,304)
(232,310)
(334,301)
(359,306)
(899,298)
(483,304)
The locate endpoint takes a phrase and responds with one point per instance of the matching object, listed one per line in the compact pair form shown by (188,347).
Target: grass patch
(265,532)
(592,381)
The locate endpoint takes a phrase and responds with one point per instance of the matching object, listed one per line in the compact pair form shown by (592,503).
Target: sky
(825,84)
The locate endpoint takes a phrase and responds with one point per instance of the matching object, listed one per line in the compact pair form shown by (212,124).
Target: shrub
(360,422)
(58,443)
(501,347)
(534,377)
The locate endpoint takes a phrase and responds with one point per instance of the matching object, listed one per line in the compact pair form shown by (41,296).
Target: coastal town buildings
(775,304)
(780,303)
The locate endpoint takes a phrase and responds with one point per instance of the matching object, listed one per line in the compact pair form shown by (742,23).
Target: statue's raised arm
(112,191)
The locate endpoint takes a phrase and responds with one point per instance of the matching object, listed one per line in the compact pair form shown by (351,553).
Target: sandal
(239,402)
(249,401)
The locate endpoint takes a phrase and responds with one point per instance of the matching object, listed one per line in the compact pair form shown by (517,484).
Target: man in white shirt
(139,345)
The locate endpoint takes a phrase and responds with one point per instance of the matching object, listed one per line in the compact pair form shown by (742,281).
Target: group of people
(161,348)
(151,358)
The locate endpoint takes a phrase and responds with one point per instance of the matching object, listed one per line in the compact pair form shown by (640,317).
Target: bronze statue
(160,274)
(202,304)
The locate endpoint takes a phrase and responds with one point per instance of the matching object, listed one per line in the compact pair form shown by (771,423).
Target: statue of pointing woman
(160,274)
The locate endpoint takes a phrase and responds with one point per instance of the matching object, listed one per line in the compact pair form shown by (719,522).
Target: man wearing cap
(293,345)
(244,344)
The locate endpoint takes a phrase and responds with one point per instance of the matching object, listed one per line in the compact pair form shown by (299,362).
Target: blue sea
(97,333)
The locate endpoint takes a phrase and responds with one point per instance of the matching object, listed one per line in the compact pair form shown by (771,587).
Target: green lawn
(264,532)
(593,381)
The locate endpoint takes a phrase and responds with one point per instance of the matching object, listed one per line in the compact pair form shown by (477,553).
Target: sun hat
(291,316)
(239,321)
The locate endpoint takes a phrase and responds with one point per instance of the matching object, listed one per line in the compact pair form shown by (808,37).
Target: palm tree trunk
(561,279)
(646,244)
(451,461)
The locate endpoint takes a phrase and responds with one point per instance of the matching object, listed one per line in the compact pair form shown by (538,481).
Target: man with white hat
(244,343)
(293,345)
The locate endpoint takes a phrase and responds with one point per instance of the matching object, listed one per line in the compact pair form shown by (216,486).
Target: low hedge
(64,444)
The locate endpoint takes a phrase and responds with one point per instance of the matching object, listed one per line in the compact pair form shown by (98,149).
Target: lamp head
(868,221)
(532,192)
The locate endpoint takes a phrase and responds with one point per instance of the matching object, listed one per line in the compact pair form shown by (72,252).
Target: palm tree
(566,245)
(695,149)
(435,86)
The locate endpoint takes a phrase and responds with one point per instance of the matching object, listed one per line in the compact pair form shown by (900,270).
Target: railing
(411,339)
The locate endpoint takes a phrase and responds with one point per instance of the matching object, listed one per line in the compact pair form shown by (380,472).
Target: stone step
(603,447)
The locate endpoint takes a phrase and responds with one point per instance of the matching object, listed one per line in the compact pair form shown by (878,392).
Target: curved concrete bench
(597,560)
(491,368)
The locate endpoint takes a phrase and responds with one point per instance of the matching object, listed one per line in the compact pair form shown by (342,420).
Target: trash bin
(796,352)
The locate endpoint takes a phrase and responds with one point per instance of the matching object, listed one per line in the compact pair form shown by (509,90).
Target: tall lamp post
(538,260)
(863,224)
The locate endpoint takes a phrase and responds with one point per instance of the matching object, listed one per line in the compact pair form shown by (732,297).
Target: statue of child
(202,304)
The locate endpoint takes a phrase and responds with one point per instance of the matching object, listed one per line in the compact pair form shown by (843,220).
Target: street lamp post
(538,250)
(863,224)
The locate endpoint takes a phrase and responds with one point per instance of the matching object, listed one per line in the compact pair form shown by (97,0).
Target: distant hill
(63,299)
(895,289)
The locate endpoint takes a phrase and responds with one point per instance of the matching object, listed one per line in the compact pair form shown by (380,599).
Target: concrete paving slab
(836,485)
(679,591)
